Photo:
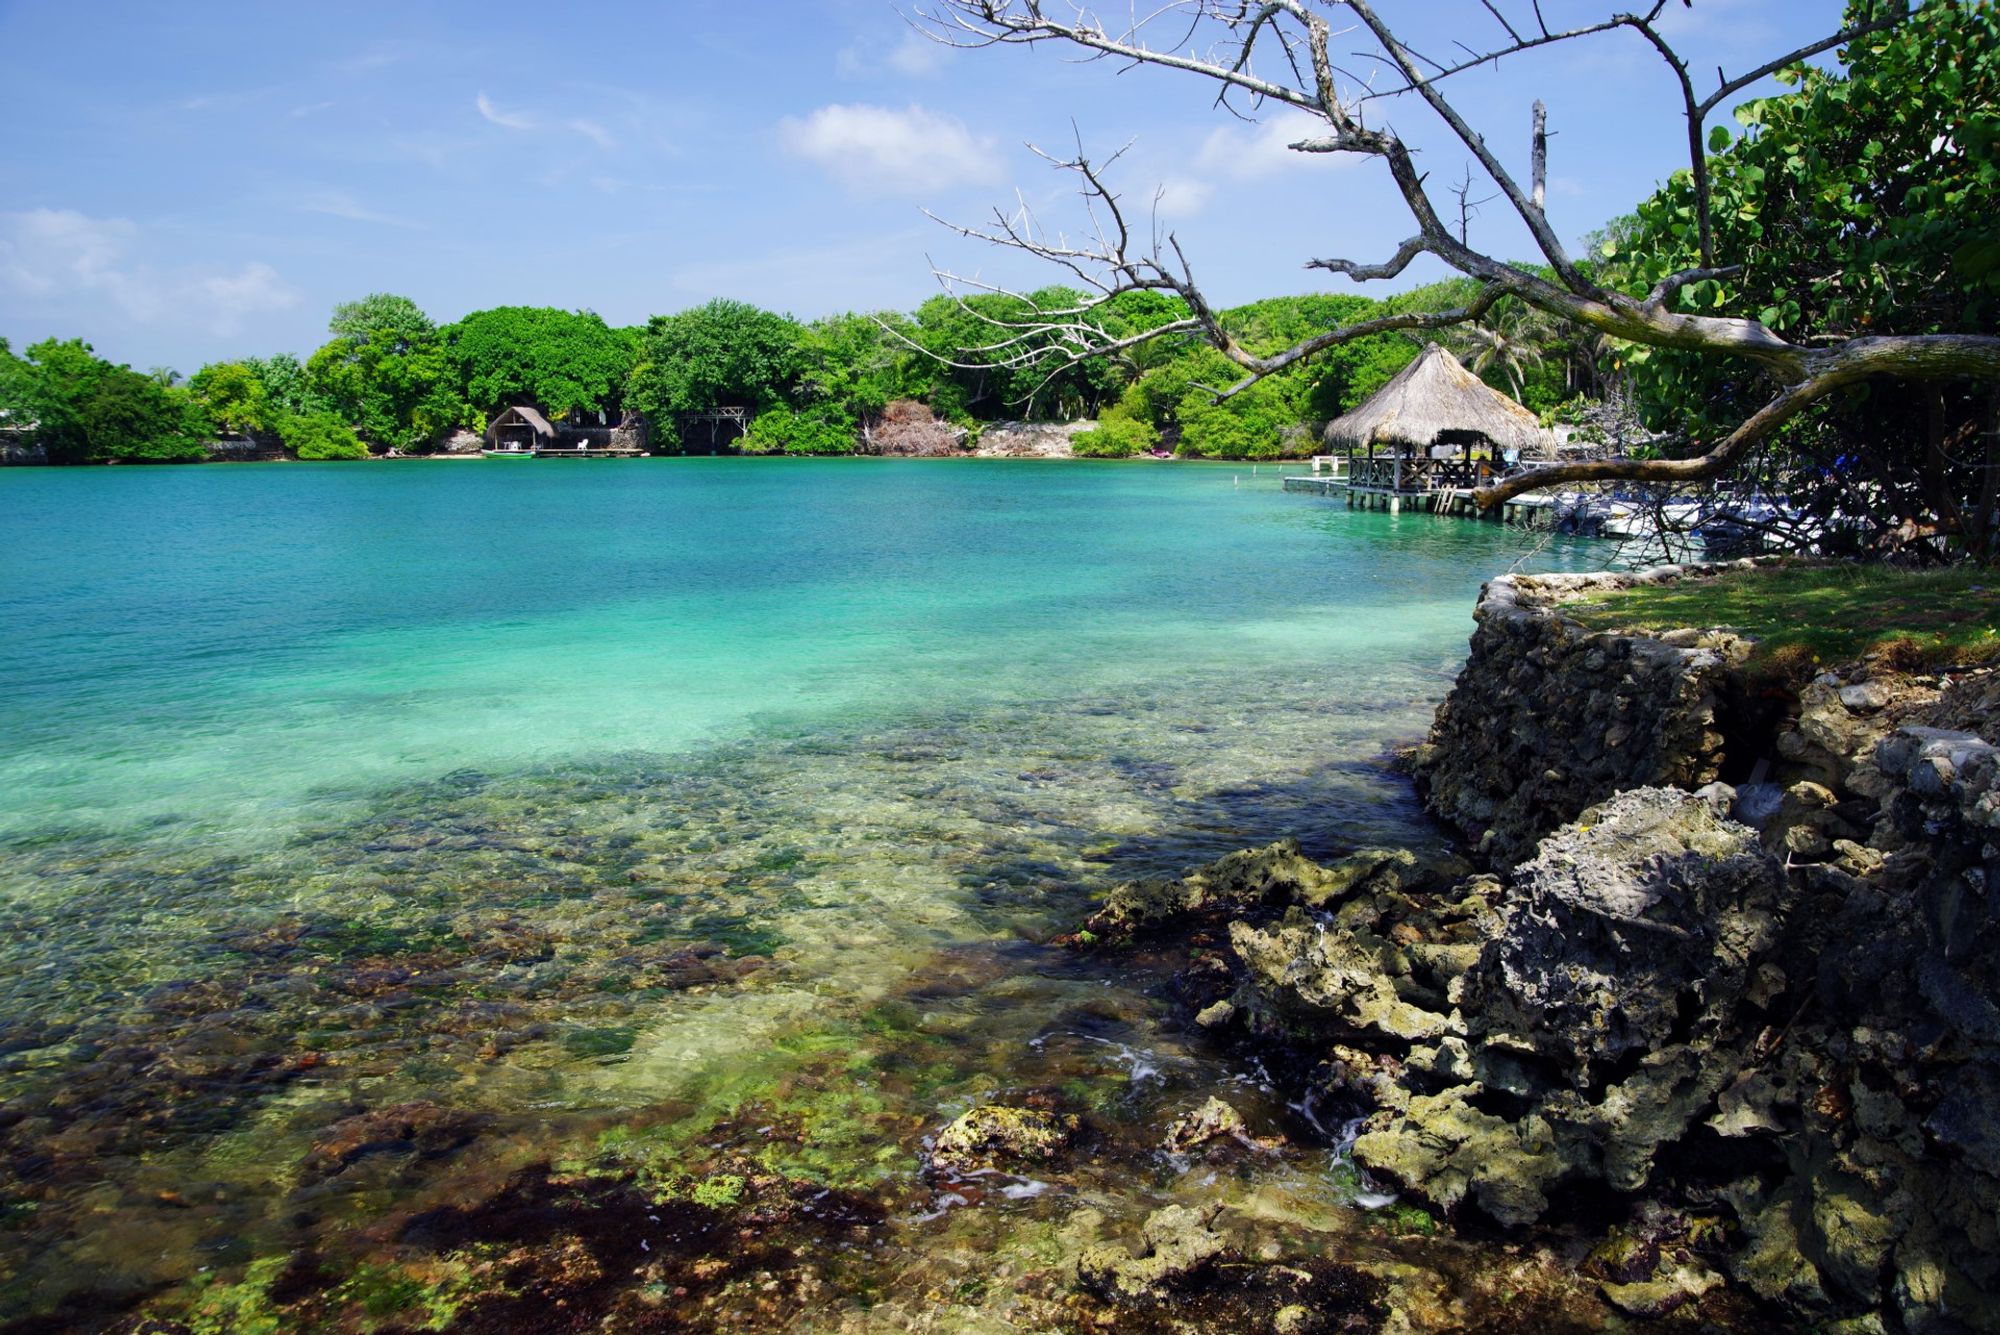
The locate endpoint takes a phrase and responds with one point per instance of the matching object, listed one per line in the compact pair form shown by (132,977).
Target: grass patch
(1805,617)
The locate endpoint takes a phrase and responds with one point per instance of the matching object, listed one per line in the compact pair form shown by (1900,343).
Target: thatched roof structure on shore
(538,432)
(1435,401)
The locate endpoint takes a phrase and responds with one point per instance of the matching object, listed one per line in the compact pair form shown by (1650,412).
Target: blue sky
(185,183)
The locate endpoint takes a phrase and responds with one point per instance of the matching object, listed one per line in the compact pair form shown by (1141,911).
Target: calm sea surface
(376,838)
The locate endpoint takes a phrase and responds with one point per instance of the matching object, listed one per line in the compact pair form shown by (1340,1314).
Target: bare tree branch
(1221,40)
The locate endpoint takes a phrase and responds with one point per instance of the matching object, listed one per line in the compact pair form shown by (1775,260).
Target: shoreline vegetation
(728,377)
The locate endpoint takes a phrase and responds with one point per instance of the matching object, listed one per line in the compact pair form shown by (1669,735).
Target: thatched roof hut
(521,426)
(1435,401)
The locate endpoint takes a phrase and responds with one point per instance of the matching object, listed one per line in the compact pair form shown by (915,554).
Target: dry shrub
(909,428)
(1792,663)
(1901,653)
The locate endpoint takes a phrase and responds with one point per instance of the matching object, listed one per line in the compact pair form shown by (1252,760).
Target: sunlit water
(631,819)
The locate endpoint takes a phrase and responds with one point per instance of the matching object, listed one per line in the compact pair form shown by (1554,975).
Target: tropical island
(722,896)
(729,377)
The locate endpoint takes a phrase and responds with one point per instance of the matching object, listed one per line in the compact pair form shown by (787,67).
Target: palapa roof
(1434,394)
(529,415)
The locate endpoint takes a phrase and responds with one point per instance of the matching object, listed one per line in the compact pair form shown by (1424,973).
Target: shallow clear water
(611,816)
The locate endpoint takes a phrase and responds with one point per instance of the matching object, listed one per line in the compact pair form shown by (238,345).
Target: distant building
(523,427)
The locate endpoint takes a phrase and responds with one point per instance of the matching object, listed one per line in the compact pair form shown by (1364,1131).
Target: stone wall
(1549,718)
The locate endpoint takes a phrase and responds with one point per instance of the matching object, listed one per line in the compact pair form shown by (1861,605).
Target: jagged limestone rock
(994,1134)
(1628,927)
(1176,1244)
(1445,1149)
(1334,979)
(1213,1120)
(1263,878)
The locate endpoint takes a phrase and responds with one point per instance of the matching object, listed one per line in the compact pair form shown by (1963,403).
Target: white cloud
(1182,197)
(45,250)
(592,131)
(1257,152)
(915,57)
(232,297)
(919,57)
(340,204)
(506,119)
(1240,154)
(879,148)
(59,259)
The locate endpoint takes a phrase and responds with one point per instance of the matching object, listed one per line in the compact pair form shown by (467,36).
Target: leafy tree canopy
(232,395)
(288,387)
(89,410)
(1866,201)
(822,430)
(321,436)
(564,362)
(390,323)
(854,362)
(723,354)
(386,372)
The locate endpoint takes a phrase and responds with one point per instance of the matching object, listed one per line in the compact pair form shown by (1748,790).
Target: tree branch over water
(1283,52)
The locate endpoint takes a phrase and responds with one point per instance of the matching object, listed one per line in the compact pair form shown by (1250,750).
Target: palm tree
(1508,341)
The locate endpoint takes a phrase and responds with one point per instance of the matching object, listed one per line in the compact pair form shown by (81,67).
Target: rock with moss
(996,1135)
(1213,1121)
(1176,1246)
(1262,880)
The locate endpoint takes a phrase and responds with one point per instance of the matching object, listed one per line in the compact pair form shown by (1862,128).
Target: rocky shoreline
(1708,1010)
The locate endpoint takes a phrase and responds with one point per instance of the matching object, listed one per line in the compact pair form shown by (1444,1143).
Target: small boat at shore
(507,452)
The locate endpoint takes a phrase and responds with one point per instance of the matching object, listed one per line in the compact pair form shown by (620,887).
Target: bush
(911,429)
(316,437)
(1114,438)
(814,431)
(1248,426)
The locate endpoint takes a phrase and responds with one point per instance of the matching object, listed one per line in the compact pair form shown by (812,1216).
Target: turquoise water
(597,811)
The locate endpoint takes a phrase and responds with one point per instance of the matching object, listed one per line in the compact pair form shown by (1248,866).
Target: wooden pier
(1533,510)
(558,452)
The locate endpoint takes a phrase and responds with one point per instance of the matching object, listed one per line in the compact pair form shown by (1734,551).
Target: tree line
(390,377)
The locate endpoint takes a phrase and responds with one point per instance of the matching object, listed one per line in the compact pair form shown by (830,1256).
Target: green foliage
(1249,425)
(386,371)
(564,362)
(1155,397)
(16,388)
(1115,437)
(317,437)
(984,363)
(724,354)
(852,364)
(823,430)
(87,410)
(1865,201)
(286,386)
(392,323)
(232,395)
